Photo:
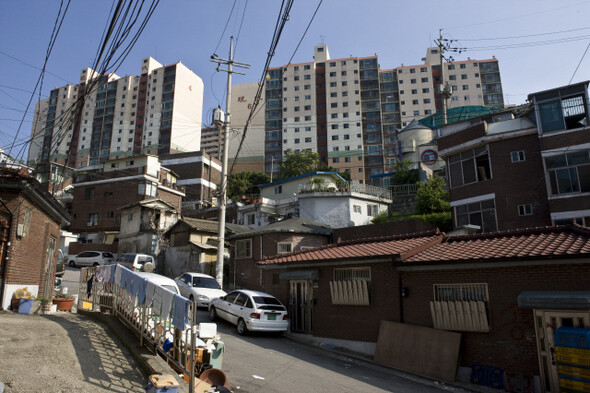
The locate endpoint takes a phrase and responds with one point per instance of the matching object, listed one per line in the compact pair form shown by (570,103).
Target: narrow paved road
(266,363)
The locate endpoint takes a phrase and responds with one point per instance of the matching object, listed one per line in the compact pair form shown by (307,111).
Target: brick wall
(27,256)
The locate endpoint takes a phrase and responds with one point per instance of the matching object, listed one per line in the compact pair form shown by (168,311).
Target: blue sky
(191,30)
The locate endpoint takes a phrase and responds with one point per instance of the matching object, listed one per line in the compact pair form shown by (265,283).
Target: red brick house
(30,223)
(506,292)
(281,237)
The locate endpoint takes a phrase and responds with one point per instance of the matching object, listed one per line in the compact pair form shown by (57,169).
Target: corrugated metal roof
(292,225)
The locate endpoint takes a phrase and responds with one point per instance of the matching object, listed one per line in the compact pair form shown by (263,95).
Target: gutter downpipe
(6,246)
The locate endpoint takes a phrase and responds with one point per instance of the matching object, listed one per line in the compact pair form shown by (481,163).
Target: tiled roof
(213,226)
(390,246)
(526,244)
(540,243)
(289,225)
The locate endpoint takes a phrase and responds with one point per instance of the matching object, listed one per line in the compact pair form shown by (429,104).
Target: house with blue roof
(323,197)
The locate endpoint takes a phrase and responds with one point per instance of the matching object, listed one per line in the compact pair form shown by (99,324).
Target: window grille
(462,307)
(351,286)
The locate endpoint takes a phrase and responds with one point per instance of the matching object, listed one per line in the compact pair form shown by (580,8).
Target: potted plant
(45,305)
(63,302)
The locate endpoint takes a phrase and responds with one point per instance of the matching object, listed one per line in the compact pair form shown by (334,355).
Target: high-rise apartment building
(349,110)
(108,117)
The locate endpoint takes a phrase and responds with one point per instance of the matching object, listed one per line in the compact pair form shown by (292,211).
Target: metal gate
(301,306)
(546,322)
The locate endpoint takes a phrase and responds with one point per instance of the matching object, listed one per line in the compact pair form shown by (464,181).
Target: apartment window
(569,173)
(372,210)
(481,214)
(525,210)
(335,160)
(472,296)
(306,87)
(345,104)
(334,126)
(333,94)
(306,67)
(465,87)
(296,88)
(297,140)
(307,128)
(335,137)
(307,118)
(452,77)
(296,119)
(343,73)
(344,94)
(424,80)
(426,90)
(517,156)
(307,107)
(344,83)
(412,81)
(334,105)
(332,74)
(296,98)
(296,109)
(428,112)
(284,247)
(415,102)
(351,286)
(427,100)
(401,92)
(334,116)
(308,140)
(451,67)
(332,64)
(333,84)
(470,166)
(423,69)
(243,248)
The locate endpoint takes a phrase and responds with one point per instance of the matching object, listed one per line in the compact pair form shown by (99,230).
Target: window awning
(555,300)
(300,275)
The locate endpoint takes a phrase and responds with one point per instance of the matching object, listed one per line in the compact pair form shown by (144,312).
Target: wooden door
(301,306)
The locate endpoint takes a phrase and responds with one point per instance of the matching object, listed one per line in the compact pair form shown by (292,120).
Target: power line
(576,70)
(524,36)
(305,32)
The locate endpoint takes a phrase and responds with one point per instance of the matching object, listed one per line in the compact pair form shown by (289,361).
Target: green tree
(295,164)
(432,196)
(245,183)
(238,185)
(404,174)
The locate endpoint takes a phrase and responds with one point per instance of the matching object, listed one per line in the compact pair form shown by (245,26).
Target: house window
(563,113)
(278,190)
(147,188)
(517,156)
(92,219)
(372,210)
(89,194)
(351,286)
(250,219)
(525,210)
(284,247)
(481,214)
(470,166)
(356,209)
(462,307)
(244,248)
(569,173)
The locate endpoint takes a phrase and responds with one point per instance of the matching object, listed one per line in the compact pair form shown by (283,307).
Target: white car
(251,311)
(160,280)
(199,288)
(137,262)
(92,258)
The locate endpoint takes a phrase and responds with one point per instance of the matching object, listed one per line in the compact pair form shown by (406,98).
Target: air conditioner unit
(20,230)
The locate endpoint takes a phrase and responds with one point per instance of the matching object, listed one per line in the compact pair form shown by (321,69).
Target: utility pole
(445,90)
(226,123)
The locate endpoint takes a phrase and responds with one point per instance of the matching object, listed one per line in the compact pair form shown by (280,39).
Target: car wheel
(95,264)
(212,314)
(72,264)
(242,328)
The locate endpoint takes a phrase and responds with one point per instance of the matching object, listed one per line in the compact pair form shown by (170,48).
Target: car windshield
(205,282)
(266,300)
(107,255)
(125,258)
(170,288)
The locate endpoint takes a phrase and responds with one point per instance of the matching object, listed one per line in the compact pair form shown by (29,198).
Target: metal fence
(163,321)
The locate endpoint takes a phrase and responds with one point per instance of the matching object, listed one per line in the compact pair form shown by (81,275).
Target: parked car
(251,311)
(199,287)
(60,264)
(92,258)
(137,262)
(163,281)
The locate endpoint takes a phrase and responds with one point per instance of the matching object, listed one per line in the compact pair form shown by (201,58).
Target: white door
(546,322)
